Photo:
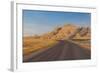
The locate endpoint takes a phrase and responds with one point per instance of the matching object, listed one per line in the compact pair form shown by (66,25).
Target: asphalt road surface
(64,50)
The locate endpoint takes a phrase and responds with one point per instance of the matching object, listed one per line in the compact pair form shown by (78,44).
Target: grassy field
(86,43)
(31,44)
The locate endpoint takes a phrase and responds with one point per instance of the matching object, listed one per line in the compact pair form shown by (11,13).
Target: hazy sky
(39,22)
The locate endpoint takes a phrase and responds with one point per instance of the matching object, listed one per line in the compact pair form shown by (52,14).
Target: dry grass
(31,45)
(86,44)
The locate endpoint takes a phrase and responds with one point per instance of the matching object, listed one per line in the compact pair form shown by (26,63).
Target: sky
(37,22)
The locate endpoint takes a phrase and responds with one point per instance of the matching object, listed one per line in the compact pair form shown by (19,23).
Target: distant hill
(68,31)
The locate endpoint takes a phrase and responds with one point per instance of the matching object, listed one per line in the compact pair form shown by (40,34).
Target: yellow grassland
(31,45)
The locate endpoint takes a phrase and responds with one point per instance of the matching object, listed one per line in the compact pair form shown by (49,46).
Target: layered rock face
(68,31)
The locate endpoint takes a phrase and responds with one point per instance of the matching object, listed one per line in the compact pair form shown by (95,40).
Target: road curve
(64,50)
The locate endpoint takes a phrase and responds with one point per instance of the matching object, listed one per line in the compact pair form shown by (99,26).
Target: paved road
(64,50)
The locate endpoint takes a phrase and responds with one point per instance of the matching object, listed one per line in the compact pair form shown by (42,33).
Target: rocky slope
(68,31)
